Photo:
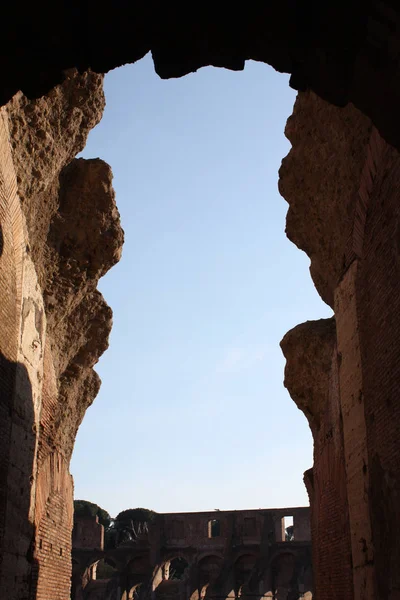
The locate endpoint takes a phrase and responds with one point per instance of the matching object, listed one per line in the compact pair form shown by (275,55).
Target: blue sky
(192,413)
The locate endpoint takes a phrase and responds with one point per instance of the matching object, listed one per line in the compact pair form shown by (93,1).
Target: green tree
(84,508)
(131,523)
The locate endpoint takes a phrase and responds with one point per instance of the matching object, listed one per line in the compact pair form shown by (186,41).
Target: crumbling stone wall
(377,300)
(343,373)
(246,556)
(21,351)
(313,380)
(343,53)
(88,533)
(60,233)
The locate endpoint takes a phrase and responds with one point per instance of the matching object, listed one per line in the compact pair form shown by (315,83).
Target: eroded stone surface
(344,52)
(312,378)
(308,351)
(46,134)
(62,233)
(74,235)
(320,178)
(346,217)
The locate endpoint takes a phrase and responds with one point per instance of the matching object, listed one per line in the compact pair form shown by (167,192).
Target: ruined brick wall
(320,179)
(88,533)
(241,526)
(243,558)
(49,276)
(378,309)
(340,181)
(328,498)
(346,382)
(21,341)
(302,525)
(51,576)
(312,377)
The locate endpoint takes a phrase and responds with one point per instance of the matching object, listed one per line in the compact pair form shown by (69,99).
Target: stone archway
(365,292)
(341,53)
(243,569)
(209,568)
(134,592)
(172,577)
(283,577)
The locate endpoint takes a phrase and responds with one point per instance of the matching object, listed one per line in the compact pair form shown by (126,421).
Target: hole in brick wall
(40,544)
(289,529)
(105,570)
(177,568)
(61,552)
(214,528)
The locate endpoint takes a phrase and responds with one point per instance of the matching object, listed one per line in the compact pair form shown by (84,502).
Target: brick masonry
(227,553)
(35,486)
(353,413)
(38,417)
(346,216)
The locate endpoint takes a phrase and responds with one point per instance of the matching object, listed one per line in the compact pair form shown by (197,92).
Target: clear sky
(192,413)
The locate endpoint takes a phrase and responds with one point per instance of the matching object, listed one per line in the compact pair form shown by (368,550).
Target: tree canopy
(84,508)
(131,523)
(136,515)
(127,526)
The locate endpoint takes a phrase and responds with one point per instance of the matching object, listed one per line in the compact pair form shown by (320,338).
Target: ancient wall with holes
(378,303)
(249,526)
(196,555)
(88,533)
(343,373)
(35,497)
(22,345)
(47,380)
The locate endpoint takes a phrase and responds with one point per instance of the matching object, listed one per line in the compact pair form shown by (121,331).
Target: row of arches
(285,577)
(186,574)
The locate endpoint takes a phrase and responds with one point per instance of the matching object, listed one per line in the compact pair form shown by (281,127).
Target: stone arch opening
(134,592)
(231,357)
(106,569)
(209,568)
(243,569)
(176,569)
(138,565)
(171,578)
(245,562)
(284,578)
(215,535)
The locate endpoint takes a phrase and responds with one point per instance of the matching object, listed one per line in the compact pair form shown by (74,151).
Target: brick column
(354,435)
